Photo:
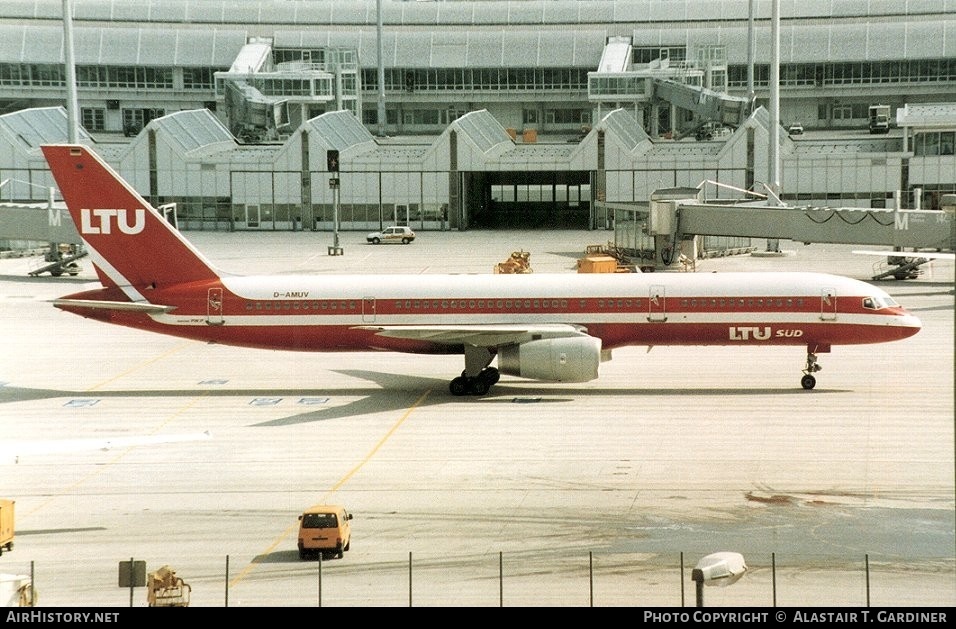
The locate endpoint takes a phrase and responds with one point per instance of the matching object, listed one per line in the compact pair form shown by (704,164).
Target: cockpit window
(878,302)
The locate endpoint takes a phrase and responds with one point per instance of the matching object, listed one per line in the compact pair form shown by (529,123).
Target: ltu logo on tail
(101,221)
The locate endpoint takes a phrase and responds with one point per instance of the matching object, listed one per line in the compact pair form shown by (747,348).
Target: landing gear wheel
(458,386)
(808,381)
(480,386)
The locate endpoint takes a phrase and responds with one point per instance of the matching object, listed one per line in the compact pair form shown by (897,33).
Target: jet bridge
(679,84)
(706,105)
(44,222)
(38,222)
(668,224)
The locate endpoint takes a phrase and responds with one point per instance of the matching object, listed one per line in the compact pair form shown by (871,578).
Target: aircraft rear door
(368,309)
(214,307)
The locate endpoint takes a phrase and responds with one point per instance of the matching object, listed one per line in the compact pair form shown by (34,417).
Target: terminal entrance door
(252,216)
(400,215)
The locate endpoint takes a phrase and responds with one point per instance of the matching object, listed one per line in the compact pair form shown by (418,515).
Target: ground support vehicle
(324,530)
(6,525)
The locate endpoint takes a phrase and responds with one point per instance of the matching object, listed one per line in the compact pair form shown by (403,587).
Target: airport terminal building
(480,114)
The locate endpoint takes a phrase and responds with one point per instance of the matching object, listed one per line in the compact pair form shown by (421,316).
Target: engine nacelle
(571,359)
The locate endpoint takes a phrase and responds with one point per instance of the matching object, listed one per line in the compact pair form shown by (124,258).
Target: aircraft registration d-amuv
(546,327)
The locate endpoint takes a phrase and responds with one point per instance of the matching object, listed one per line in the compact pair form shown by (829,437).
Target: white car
(403,235)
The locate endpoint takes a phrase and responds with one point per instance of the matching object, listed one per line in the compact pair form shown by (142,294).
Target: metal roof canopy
(121,46)
(557,33)
(530,12)
(32,127)
(193,129)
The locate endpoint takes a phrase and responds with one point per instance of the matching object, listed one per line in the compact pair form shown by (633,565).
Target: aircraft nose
(910,324)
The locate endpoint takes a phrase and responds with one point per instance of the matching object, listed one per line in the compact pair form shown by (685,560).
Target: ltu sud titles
(40,616)
(795,616)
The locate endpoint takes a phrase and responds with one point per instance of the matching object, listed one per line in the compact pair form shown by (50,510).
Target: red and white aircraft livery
(555,328)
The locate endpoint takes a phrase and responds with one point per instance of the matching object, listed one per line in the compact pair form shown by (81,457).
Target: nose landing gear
(808,381)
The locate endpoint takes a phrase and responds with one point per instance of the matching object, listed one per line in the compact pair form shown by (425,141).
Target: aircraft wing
(11,452)
(929,255)
(478,335)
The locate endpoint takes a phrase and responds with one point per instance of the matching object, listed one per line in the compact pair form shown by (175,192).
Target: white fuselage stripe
(595,318)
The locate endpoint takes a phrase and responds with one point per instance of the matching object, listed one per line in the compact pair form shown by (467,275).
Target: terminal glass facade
(848,73)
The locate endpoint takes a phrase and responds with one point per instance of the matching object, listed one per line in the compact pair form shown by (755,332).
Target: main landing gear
(475,385)
(808,381)
(477,377)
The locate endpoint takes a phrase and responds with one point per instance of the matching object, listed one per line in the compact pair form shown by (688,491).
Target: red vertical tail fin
(131,243)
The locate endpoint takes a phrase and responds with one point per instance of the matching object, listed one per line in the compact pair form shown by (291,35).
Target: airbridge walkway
(669,222)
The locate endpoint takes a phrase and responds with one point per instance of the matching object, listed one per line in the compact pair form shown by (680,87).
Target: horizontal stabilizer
(129,306)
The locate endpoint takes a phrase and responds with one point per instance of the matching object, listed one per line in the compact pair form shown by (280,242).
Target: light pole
(332,165)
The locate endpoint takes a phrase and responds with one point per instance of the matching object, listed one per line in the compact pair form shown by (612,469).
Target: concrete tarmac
(604,493)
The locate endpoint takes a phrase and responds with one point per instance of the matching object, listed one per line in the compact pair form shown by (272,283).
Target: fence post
(866,558)
(501,581)
(681,578)
(773,576)
(227,580)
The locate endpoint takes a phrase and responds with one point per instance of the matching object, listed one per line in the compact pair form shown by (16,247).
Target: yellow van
(324,529)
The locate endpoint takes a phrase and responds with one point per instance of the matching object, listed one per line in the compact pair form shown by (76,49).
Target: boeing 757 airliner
(547,327)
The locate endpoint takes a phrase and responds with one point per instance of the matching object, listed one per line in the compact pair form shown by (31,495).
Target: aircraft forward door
(828,305)
(214,307)
(656,310)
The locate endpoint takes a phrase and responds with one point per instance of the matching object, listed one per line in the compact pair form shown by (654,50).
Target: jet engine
(569,359)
